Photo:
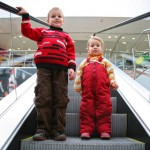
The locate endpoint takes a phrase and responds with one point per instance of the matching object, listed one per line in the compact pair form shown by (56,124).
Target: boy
(54,59)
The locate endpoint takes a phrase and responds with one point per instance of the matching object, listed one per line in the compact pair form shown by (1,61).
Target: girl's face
(95,47)
(55,18)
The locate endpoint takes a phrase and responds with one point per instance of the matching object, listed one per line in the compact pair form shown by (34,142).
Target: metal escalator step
(75,143)
(72,92)
(119,124)
(74,104)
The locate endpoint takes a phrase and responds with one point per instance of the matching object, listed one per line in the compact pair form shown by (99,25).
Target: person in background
(94,78)
(4,81)
(12,84)
(55,60)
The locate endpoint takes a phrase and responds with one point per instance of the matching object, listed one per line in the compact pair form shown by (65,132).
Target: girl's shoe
(85,135)
(105,136)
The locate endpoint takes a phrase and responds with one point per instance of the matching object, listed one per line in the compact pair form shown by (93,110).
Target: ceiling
(79,28)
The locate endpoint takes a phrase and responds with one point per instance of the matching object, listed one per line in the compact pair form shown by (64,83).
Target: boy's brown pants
(51,100)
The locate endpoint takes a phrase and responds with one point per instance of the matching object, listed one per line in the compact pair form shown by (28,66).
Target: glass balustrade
(16,53)
(129,49)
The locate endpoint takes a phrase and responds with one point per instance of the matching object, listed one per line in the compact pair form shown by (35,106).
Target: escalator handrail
(143,16)
(13,10)
(134,95)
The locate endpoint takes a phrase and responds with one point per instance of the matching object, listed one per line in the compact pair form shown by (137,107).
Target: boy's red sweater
(55,47)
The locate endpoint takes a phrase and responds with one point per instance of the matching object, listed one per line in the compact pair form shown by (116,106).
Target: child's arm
(111,75)
(70,48)
(77,83)
(27,31)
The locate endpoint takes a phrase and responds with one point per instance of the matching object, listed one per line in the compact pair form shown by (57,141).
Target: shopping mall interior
(126,37)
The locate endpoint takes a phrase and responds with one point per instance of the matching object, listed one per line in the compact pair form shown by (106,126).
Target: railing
(16,66)
(133,60)
(146,15)
(130,47)
(15,11)
(17,58)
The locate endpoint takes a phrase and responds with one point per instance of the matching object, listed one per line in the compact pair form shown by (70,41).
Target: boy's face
(95,47)
(56,18)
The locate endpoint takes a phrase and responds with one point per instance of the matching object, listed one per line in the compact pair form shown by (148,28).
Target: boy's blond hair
(57,9)
(95,38)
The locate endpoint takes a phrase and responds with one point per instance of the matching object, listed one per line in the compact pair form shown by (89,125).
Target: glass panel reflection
(129,49)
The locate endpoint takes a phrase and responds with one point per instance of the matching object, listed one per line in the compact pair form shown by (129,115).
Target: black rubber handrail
(13,10)
(125,22)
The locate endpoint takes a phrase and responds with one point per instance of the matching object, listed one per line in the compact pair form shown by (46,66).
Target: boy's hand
(71,74)
(21,10)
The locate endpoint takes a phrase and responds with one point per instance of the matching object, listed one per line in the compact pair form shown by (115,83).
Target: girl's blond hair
(95,38)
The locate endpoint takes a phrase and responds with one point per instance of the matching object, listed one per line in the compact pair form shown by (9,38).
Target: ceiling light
(146,39)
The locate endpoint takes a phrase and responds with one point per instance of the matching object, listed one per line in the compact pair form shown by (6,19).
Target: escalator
(130,130)
(130,118)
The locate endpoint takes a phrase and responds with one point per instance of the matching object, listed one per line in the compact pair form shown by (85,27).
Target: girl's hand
(114,86)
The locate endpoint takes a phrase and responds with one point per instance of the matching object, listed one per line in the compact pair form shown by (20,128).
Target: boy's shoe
(85,135)
(59,137)
(105,136)
(40,135)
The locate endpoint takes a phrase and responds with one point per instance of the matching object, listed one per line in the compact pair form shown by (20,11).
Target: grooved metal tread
(74,104)
(118,126)
(76,143)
